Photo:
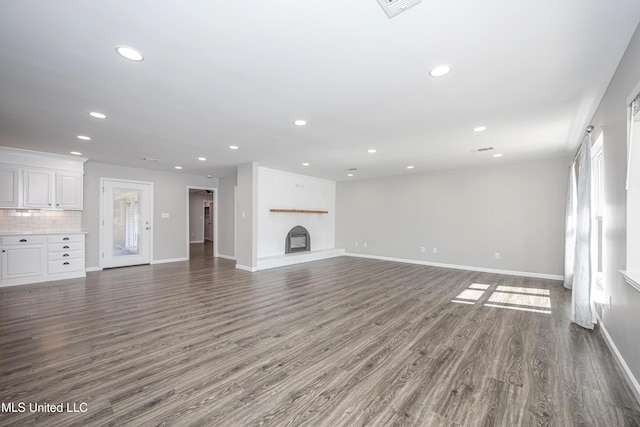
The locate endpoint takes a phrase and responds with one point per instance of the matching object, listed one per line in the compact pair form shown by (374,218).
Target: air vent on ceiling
(480,150)
(395,7)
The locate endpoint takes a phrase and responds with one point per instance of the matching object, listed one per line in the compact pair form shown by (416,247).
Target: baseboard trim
(461,267)
(245,268)
(292,259)
(622,364)
(232,258)
(168,260)
(90,269)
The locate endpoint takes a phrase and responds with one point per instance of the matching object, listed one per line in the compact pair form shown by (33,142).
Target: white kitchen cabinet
(68,190)
(9,187)
(38,188)
(57,190)
(33,180)
(39,258)
(22,257)
(65,254)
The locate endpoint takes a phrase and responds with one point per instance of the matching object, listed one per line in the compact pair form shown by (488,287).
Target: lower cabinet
(22,257)
(65,254)
(39,258)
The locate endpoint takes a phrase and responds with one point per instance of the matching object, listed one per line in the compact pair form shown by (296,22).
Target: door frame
(101,224)
(214,198)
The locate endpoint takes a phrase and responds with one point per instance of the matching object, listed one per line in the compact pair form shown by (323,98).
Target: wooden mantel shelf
(298,211)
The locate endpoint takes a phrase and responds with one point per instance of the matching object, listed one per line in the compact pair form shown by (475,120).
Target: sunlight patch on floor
(470,294)
(534,310)
(510,297)
(517,289)
(463,302)
(519,299)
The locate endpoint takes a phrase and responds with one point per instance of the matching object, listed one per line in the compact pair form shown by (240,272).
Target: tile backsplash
(39,221)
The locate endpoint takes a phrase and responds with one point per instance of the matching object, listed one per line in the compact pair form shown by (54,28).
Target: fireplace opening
(298,240)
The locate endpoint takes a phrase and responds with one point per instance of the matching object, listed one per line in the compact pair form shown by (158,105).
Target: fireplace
(298,240)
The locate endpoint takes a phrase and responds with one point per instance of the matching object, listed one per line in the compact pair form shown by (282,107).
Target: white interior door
(126,230)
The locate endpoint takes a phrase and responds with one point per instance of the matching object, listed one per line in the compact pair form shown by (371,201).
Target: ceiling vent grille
(480,150)
(395,7)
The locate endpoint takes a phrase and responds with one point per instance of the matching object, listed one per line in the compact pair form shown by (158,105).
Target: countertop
(40,233)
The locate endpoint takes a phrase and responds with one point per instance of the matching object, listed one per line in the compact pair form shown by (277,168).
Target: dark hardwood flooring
(344,341)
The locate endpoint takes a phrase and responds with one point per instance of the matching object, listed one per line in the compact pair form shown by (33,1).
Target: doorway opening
(202,215)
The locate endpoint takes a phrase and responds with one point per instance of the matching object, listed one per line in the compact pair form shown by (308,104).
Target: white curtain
(582,310)
(570,229)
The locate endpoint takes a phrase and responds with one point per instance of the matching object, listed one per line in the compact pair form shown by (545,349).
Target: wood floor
(344,341)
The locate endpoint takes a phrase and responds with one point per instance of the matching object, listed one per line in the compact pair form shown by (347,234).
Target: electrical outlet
(422,249)
(435,250)
(497,255)
(364,244)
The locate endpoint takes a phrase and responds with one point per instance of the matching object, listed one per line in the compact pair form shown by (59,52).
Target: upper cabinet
(39,180)
(9,186)
(58,190)
(68,190)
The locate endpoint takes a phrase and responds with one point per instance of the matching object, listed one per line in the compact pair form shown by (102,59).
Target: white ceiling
(240,72)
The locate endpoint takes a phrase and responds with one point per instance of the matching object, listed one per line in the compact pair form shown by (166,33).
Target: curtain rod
(590,129)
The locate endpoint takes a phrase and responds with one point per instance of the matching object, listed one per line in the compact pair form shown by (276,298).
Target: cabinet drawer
(70,246)
(22,240)
(65,238)
(63,266)
(67,255)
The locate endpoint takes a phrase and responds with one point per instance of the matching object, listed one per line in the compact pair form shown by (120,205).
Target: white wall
(516,209)
(169,196)
(621,320)
(284,190)
(246,217)
(226,216)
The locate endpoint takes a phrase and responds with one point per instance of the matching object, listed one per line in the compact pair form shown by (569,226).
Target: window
(597,201)
(632,273)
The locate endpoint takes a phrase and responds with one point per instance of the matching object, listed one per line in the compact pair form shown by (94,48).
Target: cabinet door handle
(66,238)
(23,240)
(65,263)
(65,247)
(65,255)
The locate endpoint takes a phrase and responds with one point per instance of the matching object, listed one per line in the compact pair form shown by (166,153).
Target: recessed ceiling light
(130,53)
(480,129)
(202,159)
(233,147)
(349,174)
(371,151)
(84,138)
(409,167)
(497,155)
(300,122)
(178,167)
(97,115)
(76,153)
(440,70)
(305,164)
